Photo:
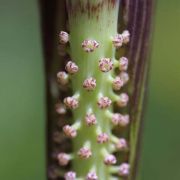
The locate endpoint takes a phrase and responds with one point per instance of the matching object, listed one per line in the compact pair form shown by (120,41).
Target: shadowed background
(22,96)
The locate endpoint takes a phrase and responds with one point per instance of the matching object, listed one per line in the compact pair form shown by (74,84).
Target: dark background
(22,111)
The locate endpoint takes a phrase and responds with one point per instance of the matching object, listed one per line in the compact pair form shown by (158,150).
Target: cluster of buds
(123,100)
(85,153)
(71,175)
(71,102)
(91,176)
(90,119)
(117,40)
(120,39)
(104,102)
(89,84)
(71,67)
(70,131)
(123,64)
(102,138)
(89,45)
(110,159)
(119,119)
(105,64)
(63,159)
(117,83)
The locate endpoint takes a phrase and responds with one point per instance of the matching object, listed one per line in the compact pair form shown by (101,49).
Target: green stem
(100,25)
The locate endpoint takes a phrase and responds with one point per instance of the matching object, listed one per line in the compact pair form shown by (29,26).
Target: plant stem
(99,23)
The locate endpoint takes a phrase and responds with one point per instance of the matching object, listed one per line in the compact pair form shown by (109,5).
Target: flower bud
(91,176)
(71,102)
(124,169)
(85,153)
(119,119)
(71,67)
(126,36)
(63,37)
(90,119)
(71,175)
(123,100)
(110,159)
(122,144)
(60,108)
(123,64)
(124,77)
(70,131)
(62,78)
(105,64)
(117,83)
(90,45)
(89,84)
(102,138)
(117,41)
(104,102)
(63,159)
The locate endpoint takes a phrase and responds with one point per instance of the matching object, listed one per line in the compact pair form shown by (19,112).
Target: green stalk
(98,22)
(101,25)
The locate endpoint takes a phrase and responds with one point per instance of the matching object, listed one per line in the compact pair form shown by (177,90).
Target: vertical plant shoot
(102,89)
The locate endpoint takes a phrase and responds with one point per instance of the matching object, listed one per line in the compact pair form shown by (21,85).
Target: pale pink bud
(89,84)
(117,40)
(105,64)
(118,119)
(85,153)
(63,159)
(71,102)
(123,100)
(126,36)
(90,119)
(117,83)
(60,108)
(122,144)
(124,121)
(71,175)
(62,78)
(71,67)
(124,169)
(110,159)
(124,76)
(63,37)
(70,131)
(104,102)
(91,176)
(123,64)
(90,45)
(102,138)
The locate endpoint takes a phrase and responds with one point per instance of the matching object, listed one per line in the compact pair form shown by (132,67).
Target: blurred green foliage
(22,102)
(161,147)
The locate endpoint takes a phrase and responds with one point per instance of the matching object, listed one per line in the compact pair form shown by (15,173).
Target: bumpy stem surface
(92,20)
(103,126)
